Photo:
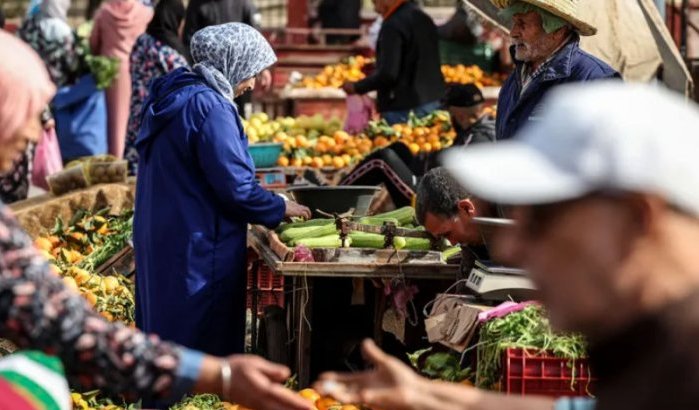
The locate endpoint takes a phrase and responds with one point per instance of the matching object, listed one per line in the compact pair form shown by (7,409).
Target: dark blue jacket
(195,195)
(570,64)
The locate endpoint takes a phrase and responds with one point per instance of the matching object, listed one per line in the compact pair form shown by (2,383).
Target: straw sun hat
(569,10)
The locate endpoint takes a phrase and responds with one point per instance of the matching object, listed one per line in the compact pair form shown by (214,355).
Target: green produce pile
(201,402)
(104,69)
(527,329)
(445,366)
(322,233)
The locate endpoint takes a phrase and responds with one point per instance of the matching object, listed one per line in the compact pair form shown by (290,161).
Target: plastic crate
(528,373)
(265,298)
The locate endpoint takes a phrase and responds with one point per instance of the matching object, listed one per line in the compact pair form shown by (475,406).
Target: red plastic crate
(528,373)
(265,298)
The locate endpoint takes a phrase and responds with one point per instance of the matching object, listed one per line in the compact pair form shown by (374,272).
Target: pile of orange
(334,76)
(461,74)
(338,151)
(325,403)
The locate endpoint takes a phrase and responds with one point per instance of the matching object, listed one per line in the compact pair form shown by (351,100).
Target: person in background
(196,193)
(38,311)
(156,52)
(469,118)
(546,51)
(117,25)
(408,74)
(340,14)
(48,33)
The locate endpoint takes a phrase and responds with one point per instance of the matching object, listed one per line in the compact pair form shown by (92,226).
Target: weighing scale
(271,178)
(493,282)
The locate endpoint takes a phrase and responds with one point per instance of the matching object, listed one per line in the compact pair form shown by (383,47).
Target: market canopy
(631,37)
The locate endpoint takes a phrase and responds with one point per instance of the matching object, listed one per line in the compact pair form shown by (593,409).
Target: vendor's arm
(388,63)
(392,385)
(222,155)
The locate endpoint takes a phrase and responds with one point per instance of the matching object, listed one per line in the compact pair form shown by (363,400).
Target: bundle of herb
(527,329)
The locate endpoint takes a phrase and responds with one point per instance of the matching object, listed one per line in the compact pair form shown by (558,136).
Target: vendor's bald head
(445,208)
(605,199)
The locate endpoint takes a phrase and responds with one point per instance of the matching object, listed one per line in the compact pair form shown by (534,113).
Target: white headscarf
(228,54)
(57,9)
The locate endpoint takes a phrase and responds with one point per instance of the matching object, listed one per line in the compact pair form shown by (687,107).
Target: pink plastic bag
(360,110)
(47,158)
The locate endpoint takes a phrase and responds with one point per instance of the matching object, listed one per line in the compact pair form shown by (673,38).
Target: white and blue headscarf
(228,54)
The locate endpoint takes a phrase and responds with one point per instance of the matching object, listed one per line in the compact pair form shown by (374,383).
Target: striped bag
(33,381)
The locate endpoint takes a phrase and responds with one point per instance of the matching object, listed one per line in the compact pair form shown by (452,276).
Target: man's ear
(467,206)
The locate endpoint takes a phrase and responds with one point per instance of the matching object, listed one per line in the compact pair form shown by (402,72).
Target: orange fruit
(317,162)
(414,148)
(307,160)
(327,160)
(91,298)
(321,148)
(338,162)
(283,161)
(43,244)
(297,162)
(349,407)
(108,316)
(325,403)
(54,240)
(436,146)
(310,395)
(427,147)
(421,140)
(347,159)
(70,283)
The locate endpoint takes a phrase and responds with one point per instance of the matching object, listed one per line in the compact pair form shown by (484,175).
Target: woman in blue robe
(196,193)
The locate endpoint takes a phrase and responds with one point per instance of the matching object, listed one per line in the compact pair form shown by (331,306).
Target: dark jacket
(195,195)
(408,72)
(652,364)
(205,13)
(569,65)
(340,14)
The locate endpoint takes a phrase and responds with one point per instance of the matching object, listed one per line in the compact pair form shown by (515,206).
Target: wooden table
(298,305)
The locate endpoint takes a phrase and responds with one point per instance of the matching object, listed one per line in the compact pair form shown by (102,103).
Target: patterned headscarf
(228,54)
(57,9)
(20,98)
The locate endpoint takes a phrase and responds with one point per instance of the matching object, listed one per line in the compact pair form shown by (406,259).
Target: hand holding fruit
(294,209)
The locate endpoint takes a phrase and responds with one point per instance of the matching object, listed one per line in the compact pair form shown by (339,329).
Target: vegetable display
(527,329)
(78,248)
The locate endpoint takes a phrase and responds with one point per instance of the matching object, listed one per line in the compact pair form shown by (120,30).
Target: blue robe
(196,194)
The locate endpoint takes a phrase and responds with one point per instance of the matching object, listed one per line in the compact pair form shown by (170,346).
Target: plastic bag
(47,159)
(360,110)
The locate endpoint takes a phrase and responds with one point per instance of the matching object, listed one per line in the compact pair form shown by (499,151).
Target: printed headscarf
(228,54)
(57,9)
(20,99)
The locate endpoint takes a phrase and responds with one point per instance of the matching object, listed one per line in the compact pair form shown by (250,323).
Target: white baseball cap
(592,137)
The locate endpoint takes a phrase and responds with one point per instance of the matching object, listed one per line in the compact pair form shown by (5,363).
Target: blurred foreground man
(607,208)
(545,37)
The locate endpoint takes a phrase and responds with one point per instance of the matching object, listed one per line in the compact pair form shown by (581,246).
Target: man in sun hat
(545,38)
(606,206)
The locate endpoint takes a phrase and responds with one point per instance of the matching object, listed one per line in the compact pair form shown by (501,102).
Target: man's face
(465,116)
(458,228)
(575,253)
(529,38)
(382,6)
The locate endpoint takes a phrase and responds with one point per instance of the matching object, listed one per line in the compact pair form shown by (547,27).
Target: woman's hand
(255,383)
(293,209)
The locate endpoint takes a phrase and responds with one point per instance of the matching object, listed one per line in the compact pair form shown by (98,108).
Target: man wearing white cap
(545,38)
(606,200)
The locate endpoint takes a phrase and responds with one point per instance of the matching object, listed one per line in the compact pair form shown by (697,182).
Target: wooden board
(123,262)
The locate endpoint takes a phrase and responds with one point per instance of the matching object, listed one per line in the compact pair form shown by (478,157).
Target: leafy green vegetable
(527,329)
(200,402)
